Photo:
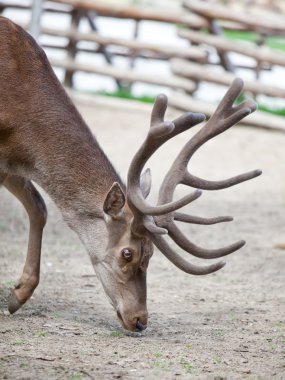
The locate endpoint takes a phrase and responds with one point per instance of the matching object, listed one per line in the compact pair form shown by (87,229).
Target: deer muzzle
(136,322)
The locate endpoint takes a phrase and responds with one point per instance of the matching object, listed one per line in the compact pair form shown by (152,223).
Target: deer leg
(28,195)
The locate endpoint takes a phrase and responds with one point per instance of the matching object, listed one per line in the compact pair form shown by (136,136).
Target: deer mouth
(140,326)
(119,316)
(137,327)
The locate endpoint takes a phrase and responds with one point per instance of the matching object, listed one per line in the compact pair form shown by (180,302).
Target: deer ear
(145,182)
(115,201)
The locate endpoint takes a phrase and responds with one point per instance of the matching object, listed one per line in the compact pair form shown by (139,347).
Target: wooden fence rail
(137,13)
(128,76)
(206,74)
(257,119)
(191,52)
(272,24)
(189,65)
(259,53)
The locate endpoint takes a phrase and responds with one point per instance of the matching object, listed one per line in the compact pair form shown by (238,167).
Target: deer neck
(77,175)
(43,136)
(76,172)
(58,151)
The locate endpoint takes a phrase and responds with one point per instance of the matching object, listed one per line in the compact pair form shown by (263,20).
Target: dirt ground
(228,325)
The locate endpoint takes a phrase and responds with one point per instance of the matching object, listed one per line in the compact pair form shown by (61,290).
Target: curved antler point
(254,106)
(169,125)
(163,129)
(162,97)
(201,115)
(199,192)
(238,81)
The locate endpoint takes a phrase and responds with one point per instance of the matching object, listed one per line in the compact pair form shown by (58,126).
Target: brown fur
(43,138)
(47,132)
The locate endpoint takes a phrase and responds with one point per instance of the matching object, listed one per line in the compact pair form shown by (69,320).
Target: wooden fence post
(91,16)
(35,23)
(71,48)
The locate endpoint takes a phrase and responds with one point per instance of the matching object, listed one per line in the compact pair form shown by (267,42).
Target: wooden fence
(199,23)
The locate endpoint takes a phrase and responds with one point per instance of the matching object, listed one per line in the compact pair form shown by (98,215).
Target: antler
(160,219)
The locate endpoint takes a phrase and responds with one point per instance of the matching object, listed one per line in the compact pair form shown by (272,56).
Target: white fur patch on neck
(93,234)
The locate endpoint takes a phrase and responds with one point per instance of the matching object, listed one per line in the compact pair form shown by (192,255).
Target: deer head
(134,225)
(123,267)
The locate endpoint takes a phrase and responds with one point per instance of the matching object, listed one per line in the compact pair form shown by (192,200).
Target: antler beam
(160,219)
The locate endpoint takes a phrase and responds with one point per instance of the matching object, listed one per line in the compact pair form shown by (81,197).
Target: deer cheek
(124,268)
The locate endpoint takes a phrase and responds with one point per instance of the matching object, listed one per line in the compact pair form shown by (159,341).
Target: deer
(44,141)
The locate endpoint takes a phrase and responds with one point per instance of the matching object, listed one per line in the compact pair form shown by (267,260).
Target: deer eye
(127,254)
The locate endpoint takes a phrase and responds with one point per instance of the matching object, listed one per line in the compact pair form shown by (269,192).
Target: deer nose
(140,326)
(137,322)
(140,321)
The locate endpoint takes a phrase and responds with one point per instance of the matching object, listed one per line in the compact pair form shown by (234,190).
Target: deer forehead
(125,239)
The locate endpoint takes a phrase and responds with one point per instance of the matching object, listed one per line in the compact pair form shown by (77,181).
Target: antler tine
(181,124)
(224,117)
(180,217)
(160,131)
(182,264)
(163,215)
(191,180)
(181,240)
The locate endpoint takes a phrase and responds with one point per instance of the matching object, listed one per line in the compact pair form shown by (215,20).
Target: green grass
(41,333)
(274,42)
(217,360)
(28,306)
(3,227)
(10,283)
(117,334)
(75,376)
(126,94)
(24,365)
(218,333)
(274,111)
(240,35)
(188,367)
(157,364)
(263,107)
(19,342)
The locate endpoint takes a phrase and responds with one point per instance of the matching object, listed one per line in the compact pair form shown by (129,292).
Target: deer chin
(124,325)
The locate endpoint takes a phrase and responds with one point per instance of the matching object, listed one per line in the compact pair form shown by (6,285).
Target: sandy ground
(228,325)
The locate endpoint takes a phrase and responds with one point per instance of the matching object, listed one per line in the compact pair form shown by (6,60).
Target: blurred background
(229,325)
(190,50)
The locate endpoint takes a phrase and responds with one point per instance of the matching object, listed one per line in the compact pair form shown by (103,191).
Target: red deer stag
(44,139)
